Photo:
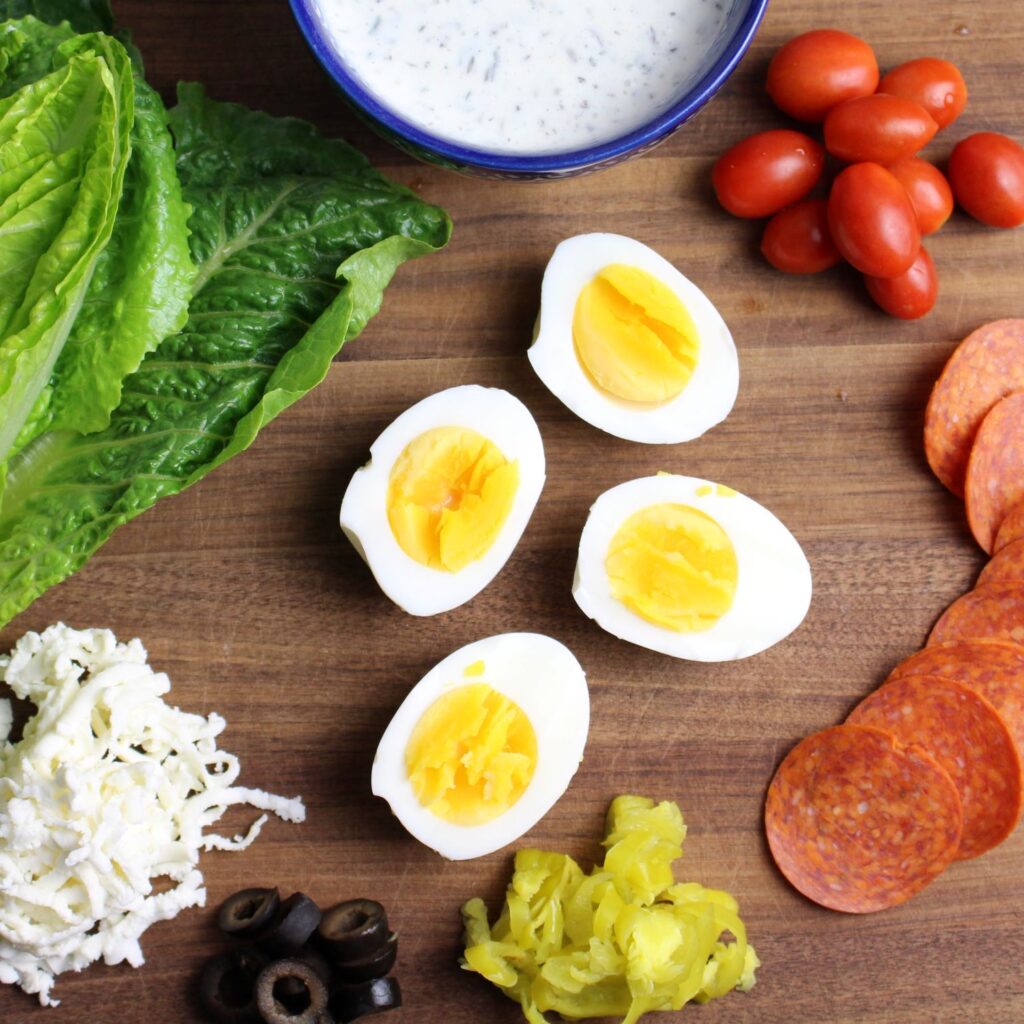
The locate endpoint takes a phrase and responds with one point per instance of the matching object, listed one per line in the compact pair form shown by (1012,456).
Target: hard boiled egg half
(485,743)
(445,497)
(630,345)
(690,568)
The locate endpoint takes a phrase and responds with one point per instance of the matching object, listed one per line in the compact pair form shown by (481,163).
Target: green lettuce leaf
(27,50)
(295,238)
(140,287)
(64,150)
(81,15)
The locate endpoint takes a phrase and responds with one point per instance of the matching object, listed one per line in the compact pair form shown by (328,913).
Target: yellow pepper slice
(625,939)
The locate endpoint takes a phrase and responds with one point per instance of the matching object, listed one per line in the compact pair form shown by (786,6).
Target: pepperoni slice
(991,667)
(993,611)
(987,365)
(857,822)
(967,736)
(995,470)
(1006,564)
(1011,528)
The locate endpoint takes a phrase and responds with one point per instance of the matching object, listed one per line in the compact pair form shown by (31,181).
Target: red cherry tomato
(814,72)
(929,192)
(797,240)
(910,295)
(766,172)
(936,84)
(987,174)
(872,221)
(879,128)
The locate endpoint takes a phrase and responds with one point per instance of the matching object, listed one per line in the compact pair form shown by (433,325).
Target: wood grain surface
(244,590)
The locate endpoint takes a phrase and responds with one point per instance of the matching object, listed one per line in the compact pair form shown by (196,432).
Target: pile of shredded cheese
(108,789)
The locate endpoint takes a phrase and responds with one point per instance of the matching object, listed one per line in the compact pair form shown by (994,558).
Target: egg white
(544,678)
(711,392)
(773,591)
(420,589)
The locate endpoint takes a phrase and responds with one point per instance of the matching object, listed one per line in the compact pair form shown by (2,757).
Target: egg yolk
(449,495)
(471,755)
(674,566)
(633,335)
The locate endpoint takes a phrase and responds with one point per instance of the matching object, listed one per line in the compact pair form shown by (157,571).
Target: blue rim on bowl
(435,149)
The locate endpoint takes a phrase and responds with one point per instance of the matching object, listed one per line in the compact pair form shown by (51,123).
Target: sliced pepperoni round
(857,822)
(987,365)
(1005,564)
(993,611)
(967,736)
(995,470)
(993,668)
(1011,528)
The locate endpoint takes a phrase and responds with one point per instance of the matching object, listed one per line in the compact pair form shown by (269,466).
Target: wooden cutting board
(244,590)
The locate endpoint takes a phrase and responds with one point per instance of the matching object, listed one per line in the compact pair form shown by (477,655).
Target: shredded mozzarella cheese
(108,789)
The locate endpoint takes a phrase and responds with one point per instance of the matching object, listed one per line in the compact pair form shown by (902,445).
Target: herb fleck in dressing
(525,76)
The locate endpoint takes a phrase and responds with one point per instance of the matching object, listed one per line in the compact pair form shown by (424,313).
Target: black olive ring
(350,1002)
(245,913)
(291,992)
(228,984)
(296,919)
(354,929)
(368,968)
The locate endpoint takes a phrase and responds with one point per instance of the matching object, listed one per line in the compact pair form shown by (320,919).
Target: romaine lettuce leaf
(140,287)
(79,15)
(64,150)
(82,15)
(27,50)
(140,290)
(295,238)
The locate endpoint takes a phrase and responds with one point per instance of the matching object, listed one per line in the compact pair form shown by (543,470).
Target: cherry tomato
(987,174)
(879,128)
(936,84)
(814,72)
(929,192)
(872,221)
(910,295)
(766,172)
(797,240)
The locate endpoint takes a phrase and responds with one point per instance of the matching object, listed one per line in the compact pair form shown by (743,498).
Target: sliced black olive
(227,987)
(350,1002)
(290,991)
(295,921)
(366,968)
(245,913)
(319,965)
(354,929)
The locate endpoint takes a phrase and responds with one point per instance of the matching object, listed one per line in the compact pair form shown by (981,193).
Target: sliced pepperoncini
(624,940)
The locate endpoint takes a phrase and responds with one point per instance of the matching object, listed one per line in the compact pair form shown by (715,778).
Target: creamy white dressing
(526,76)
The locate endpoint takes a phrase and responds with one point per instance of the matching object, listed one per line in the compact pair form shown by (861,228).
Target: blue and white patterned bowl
(744,19)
